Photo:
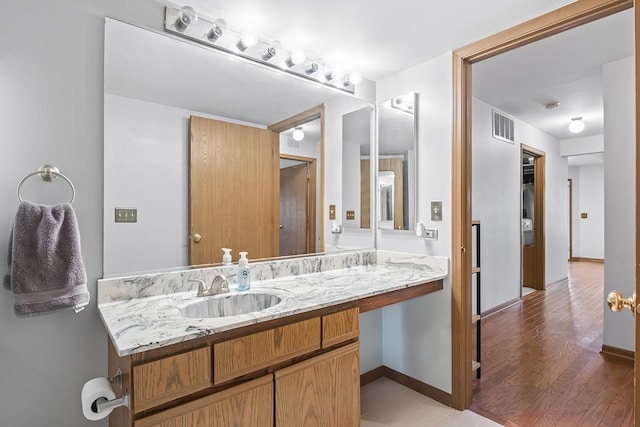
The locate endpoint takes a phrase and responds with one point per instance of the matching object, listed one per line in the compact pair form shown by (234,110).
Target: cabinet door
(245,405)
(323,391)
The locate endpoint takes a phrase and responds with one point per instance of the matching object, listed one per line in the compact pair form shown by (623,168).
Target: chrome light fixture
(217,29)
(186,16)
(298,134)
(576,125)
(185,22)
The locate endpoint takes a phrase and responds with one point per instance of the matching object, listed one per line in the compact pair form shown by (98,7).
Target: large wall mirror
(396,168)
(163,97)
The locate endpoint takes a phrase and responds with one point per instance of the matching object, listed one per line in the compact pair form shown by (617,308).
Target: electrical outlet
(430,233)
(332,211)
(126,215)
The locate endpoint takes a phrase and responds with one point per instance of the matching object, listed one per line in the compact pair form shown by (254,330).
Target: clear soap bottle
(244,275)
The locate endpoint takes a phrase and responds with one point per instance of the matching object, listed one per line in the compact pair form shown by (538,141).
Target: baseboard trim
(407,381)
(596,260)
(558,282)
(500,307)
(371,376)
(618,352)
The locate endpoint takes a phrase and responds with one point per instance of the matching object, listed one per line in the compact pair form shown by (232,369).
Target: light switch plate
(351,215)
(436,211)
(126,215)
(332,212)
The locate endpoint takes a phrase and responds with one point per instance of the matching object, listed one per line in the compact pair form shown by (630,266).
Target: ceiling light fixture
(298,134)
(186,17)
(576,125)
(335,73)
(312,68)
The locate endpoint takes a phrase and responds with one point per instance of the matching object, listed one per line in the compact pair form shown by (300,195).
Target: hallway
(541,361)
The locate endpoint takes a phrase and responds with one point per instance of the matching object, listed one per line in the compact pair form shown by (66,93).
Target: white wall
(588,197)
(417,333)
(619,196)
(51,110)
(583,145)
(496,202)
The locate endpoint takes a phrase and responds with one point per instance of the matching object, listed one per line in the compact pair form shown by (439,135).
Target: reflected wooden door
(294,213)
(234,186)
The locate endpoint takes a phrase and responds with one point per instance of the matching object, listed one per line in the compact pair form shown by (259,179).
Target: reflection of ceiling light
(186,17)
(576,125)
(298,134)
(404,103)
(552,106)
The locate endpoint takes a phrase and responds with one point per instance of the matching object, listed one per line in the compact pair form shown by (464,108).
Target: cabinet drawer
(322,391)
(240,356)
(246,405)
(340,326)
(167,379)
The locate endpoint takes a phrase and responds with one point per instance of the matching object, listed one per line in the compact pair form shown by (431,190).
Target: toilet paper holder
(103,404)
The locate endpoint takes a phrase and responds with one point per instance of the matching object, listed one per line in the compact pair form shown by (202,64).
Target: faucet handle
(219,285)
(201,286)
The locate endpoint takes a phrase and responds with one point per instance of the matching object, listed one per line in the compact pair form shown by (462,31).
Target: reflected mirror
(356,168)
(396,176)
(155,85)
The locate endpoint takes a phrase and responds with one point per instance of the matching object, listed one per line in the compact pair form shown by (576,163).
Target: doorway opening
(570,16)
(297,205)
(532,208)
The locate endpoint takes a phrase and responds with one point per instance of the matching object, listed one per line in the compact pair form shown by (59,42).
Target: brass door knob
(617,302)
(197,238)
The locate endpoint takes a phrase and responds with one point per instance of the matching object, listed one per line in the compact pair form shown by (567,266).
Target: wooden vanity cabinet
(323,391)
(295,373)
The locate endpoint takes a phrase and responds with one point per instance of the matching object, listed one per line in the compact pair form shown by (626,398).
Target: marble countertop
(145,323)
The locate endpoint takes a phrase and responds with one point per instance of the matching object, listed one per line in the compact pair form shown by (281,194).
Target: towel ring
(48,173)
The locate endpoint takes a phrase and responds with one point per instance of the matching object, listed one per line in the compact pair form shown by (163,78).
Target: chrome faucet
(219,285)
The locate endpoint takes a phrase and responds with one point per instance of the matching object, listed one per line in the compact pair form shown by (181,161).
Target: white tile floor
(387,403)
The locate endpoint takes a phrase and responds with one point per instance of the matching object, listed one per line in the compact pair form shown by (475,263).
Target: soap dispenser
(243,273)
(226,258)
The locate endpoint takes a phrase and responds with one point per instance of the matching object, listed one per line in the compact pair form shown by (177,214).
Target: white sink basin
(229,305)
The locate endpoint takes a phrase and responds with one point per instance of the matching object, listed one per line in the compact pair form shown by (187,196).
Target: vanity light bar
(184,22)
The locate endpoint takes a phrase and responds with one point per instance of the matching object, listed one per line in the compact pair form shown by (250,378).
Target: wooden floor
(541,360)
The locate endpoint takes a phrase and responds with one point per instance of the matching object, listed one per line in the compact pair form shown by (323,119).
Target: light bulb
(576,125)
(297,57)
(353,79)
(247,40)
(186,17)
(335,73)
(298,134)
(217,29)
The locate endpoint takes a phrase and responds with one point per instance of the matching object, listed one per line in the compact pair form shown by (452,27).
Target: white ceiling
(379,38)
(566,68)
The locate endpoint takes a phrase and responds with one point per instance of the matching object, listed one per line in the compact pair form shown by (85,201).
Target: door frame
(570,184)
(311,199)
(557,21)
(539,177)
(300,119)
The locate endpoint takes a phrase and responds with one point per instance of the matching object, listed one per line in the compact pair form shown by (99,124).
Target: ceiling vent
(293,144)
(503,127)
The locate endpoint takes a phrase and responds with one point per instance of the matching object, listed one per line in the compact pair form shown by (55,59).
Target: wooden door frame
(311,199)
(300,119)
(539,179)
(557,21)
(570,181)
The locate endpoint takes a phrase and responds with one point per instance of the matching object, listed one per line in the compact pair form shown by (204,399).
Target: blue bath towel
(46,269)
